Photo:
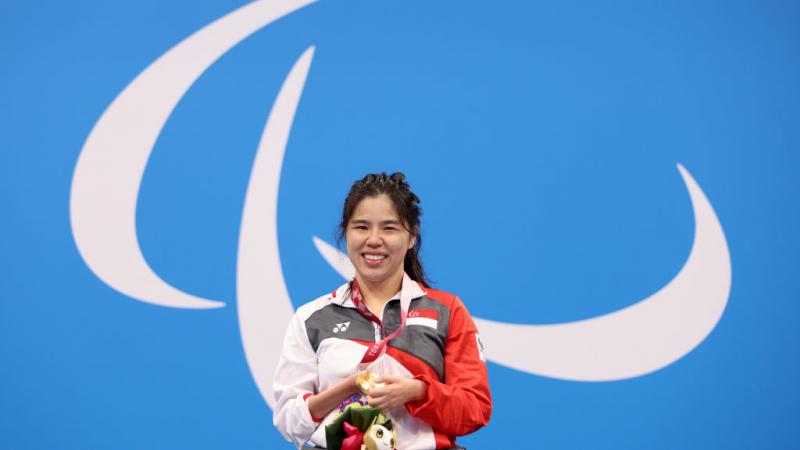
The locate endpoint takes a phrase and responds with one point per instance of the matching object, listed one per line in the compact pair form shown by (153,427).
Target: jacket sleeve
(295,380)
(461,404)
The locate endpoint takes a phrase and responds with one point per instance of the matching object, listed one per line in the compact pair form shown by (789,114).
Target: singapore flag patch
(424,317)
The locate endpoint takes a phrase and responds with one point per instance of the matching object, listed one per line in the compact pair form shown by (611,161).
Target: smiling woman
(421,342)
(380,221)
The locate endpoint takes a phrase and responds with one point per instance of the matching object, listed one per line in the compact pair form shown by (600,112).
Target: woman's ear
(412,240)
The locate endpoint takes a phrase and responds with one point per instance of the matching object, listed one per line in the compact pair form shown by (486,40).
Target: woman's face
(377,240)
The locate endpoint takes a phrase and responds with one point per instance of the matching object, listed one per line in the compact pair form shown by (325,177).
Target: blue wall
(543,139)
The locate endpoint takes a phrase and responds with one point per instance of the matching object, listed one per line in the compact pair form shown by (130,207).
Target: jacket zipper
(377,331)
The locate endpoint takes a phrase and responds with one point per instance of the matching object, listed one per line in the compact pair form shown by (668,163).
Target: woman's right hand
(321,404)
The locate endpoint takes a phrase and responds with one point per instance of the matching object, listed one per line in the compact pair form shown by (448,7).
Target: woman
(421,341)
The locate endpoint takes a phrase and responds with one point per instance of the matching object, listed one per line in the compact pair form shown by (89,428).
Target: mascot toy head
(378,437)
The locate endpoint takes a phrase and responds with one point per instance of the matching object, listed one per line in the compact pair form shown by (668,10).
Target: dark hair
(405,202)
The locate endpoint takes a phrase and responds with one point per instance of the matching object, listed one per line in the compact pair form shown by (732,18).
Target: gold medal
(366,381)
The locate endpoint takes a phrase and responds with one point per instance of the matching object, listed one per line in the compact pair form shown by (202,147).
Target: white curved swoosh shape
(338,260)
(262,298)
(632,341)
(108,174)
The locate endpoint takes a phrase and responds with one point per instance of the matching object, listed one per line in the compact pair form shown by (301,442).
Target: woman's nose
(374,239)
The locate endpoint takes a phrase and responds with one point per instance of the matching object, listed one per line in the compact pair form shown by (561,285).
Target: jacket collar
(341,296)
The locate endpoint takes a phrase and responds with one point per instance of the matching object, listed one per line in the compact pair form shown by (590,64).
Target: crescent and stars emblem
(630,342)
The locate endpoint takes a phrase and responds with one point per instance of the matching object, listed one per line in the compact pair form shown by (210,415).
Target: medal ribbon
(378,348)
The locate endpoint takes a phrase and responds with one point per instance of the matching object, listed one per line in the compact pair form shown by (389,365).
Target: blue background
(542,138)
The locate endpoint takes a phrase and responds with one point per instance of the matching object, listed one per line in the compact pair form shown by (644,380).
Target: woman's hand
(398,391)
(321,404)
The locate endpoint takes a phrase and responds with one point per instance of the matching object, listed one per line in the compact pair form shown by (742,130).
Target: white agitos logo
(627,343)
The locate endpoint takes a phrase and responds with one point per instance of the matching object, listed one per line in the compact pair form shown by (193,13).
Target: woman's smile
(373,259)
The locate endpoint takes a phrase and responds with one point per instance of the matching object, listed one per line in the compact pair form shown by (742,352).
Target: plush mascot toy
(361,427)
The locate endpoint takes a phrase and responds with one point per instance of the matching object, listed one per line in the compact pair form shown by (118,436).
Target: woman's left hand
(398,391)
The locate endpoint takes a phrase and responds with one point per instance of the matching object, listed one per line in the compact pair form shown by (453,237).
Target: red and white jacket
(440,346)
